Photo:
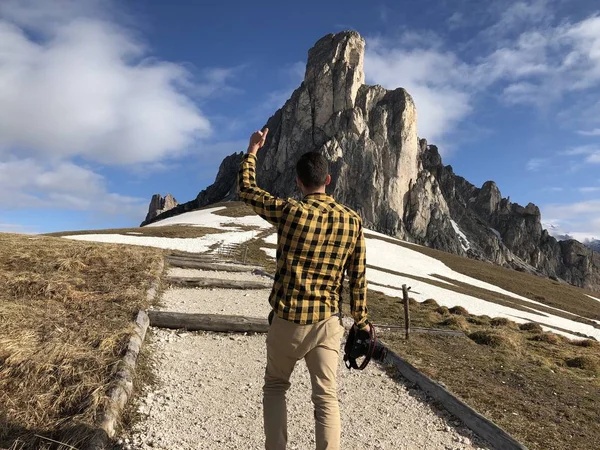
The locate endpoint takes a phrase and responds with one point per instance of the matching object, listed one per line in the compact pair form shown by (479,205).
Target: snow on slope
(464,242)
(593,298)
(192,245)
(380,254)
(206,218)
(271,239)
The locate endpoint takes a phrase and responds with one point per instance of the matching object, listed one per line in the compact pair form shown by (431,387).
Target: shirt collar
(318,196)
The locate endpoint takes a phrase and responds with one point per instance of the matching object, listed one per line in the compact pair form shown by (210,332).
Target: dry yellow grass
(167,231)
(66,310)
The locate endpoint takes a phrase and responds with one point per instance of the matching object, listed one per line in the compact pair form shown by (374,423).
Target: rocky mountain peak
(394,180)
(159,205)
(334,73)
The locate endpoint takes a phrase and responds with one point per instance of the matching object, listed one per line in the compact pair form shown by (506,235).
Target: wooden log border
(208,322)
(217,283)
(498,438)
(222,267)
(122,389)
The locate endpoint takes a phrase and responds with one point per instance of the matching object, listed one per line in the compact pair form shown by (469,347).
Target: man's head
(312,172)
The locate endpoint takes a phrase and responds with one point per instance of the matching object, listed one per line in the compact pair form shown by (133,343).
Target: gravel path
(209,390)
(239,302)
(209,396)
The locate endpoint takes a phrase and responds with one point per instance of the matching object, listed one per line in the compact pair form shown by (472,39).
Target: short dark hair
(312,169)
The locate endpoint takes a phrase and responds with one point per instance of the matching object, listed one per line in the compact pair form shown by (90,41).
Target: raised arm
(357,278)
(264,204)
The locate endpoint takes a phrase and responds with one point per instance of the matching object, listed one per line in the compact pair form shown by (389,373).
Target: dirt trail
(209,391)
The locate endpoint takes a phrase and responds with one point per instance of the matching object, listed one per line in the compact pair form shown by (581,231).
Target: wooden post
(245,254)
(406,310)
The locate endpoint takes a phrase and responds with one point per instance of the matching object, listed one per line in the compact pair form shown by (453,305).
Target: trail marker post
(405,290)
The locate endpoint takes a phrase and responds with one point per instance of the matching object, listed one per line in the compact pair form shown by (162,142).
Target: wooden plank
(207,322)
(498,438)
(217,283)
(122,387)
(194,257)
(201,265)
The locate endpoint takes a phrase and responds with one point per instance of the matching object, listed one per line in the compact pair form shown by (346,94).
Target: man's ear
(327,180)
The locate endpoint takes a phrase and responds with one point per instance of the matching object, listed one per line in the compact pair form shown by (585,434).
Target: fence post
(406,310)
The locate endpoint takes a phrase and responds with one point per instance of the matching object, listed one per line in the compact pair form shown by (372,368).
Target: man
(317,241)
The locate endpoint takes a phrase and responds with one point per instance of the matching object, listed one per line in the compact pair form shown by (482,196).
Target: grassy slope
(66,310)
(520,379)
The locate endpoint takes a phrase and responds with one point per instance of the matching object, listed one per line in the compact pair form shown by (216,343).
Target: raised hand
(257,140)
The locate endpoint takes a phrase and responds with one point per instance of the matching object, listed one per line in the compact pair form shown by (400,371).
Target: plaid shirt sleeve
(264,204)
(356,270)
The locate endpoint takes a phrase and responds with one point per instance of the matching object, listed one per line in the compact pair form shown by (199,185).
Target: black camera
(363,344)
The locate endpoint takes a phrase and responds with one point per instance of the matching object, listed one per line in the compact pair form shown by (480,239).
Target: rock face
(159,205)
(507,233)
(223,189)
(397,183)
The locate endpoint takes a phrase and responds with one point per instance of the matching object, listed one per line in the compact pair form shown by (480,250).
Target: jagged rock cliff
(507,233)
(397,183)
(159,205)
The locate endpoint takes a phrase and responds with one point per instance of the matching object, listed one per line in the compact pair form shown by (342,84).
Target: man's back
(316,238)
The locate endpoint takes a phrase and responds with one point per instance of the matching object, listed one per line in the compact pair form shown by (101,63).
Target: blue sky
(105,103)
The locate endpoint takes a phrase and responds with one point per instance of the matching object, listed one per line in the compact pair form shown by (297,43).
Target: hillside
(482,288)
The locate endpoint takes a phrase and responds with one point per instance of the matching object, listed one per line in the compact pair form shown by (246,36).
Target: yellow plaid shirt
(317,241)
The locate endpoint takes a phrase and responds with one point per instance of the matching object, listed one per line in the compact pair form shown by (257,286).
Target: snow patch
(593,298)
(271,252)
(464,242)
(477,306)
(271,239)
(497,233)
(191,245)
(206,218)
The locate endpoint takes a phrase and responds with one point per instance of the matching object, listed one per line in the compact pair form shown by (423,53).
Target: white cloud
(524,56)
(86,87)
(27,183)
(589,189)
(78,87)
(594,132)
(456,20)
(433,78)
(535,164)
(591,153)
(579,220)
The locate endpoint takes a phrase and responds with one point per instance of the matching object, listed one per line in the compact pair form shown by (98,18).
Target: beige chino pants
(319,345)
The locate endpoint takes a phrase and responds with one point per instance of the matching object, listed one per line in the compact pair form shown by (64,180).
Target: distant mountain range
(559,234)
